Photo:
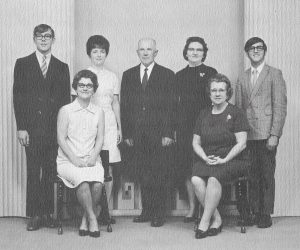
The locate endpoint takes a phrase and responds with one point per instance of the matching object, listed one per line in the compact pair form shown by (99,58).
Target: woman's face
(195,53)
(85,89)
(98,56)
(218,92)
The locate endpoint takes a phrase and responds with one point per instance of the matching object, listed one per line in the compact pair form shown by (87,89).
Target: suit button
(144,108)
(40,99)
(40,112)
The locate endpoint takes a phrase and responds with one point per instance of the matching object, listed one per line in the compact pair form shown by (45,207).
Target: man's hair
(41,28)
(85,74)
(198,40)
(97,41)
(254,40)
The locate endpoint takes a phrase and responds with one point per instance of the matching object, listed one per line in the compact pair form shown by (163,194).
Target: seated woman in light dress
(80,130)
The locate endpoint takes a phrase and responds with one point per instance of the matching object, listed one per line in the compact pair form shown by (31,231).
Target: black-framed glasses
(257,48)
(88,86)
(41,37)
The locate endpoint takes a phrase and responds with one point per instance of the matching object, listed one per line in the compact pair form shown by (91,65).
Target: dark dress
(217,132)
(191,98)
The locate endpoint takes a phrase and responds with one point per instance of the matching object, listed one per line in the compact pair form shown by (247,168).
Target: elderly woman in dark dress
(220,137)
(191,98)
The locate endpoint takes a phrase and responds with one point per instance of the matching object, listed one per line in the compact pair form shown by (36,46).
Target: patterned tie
(254,77)
(44,67)
(145,79)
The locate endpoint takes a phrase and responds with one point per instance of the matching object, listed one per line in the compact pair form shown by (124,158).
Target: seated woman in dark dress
(220,136)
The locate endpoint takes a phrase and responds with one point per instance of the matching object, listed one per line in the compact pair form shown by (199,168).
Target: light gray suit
(265,105)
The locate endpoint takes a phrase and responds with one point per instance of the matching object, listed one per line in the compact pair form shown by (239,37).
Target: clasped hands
(214,160)
(89,161)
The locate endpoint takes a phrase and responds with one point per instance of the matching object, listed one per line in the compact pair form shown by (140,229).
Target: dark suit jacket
(156,103)
(265,104)
(38,99)
(149,113)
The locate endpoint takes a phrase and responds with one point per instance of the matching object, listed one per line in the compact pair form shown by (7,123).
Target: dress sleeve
(197,129)
(240,121)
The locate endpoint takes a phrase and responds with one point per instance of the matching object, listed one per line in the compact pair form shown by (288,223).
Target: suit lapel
(36,66)
(259,81)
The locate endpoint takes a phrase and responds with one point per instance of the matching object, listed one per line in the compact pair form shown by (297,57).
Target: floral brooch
(228,118)
(202,74)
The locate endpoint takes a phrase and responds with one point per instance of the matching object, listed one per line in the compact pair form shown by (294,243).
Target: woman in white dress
(106,97)
(80,135)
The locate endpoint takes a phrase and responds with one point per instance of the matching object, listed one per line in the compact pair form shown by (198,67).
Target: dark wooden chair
(242,202)
(60,203)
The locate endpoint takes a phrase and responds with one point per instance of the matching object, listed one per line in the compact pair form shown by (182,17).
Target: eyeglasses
(197,50)
(258,48)
(88,86)
(41,37)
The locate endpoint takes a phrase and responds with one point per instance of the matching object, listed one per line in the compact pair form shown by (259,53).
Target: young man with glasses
(261,93)
(41,87)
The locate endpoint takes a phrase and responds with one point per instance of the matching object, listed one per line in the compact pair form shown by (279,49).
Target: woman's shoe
(214,231)
(94,234)
(200,234)
(83,232)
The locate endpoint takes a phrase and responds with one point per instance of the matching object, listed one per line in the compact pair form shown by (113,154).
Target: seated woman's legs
(84,196)
(212,198)
(191,198)
(96,191)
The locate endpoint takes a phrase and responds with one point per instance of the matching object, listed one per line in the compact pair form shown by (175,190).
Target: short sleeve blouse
(217,131)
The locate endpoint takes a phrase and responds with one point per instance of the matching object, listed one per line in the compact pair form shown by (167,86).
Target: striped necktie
(44,67)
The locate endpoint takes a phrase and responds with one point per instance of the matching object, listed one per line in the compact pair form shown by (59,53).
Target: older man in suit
(146,114)
(41,87)
(261,93)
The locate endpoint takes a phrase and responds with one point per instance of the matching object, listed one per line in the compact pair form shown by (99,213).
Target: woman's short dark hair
(97,41)
(85,74)
(198,40)
(220,78)
(41,28)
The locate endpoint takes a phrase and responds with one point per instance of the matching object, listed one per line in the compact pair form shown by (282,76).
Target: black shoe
(94,234)
(265,221)
(201,234)
(157,222)
(214,231)
(34,223)
(83,232)
(48,221)
(141,218)
(188,219)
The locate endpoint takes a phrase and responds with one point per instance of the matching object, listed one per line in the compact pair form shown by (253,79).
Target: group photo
(150,125)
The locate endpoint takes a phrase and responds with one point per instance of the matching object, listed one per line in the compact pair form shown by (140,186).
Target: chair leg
(198,217)
(60,191)
(104,205)
(242,203)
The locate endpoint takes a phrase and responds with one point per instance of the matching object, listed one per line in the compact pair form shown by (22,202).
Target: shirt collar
(76,107)
(259,68)
(142,69)
(40,57)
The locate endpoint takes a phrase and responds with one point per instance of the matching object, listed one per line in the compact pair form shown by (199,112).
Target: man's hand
(166,141)
(23,137)
(129,142)
(272,142)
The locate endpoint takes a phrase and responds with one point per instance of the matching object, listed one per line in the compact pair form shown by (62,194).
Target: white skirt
(72,176)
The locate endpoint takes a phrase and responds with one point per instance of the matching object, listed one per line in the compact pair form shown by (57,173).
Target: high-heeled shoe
(83,232)
(199,234)
(214,231)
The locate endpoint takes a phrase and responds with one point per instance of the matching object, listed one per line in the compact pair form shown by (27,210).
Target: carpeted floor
(174,235)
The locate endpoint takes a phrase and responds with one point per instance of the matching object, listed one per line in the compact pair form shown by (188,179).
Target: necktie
(44,67)
(145,79)
(254,77)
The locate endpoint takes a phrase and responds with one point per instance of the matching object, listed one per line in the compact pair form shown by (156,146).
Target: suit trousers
(41,170)
(262,189)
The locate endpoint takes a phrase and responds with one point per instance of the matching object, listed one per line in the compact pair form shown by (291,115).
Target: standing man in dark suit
(261,93)
(146,114)
(41,87)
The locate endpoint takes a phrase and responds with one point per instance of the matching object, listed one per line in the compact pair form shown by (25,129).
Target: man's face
(256,53)
(44,41)
(146,51)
